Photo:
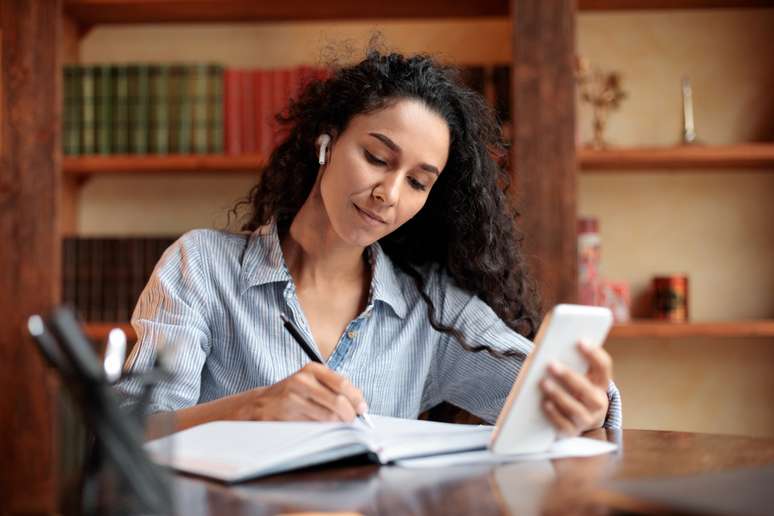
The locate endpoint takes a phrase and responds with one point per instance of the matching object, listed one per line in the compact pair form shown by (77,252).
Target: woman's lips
(368,216)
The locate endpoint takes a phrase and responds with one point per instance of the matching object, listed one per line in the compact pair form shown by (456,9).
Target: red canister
(670,298)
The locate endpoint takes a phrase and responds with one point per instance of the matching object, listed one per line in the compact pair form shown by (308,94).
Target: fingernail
(584,346)
(362,407)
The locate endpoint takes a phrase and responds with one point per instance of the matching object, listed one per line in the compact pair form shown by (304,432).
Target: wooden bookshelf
(87,166)
(755,156)
(660,329)
(88,13)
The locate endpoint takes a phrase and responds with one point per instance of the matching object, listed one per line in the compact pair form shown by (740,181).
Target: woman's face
(381,169)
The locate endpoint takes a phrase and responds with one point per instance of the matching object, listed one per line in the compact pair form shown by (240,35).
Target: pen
(313,356)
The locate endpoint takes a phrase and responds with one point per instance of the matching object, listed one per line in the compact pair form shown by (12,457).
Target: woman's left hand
(575,403)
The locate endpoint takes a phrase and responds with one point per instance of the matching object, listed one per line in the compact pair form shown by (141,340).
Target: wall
(713,225)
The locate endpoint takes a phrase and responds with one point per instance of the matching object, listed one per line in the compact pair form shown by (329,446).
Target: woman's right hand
(313,393)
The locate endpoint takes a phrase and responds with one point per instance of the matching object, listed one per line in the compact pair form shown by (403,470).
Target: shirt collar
(385,285)
(264,263)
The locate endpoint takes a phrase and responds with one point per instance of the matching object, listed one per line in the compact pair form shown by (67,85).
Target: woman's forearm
(227,408)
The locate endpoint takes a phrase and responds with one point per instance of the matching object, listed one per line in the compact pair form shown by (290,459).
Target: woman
(380,228)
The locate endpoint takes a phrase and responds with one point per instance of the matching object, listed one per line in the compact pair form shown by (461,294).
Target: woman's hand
(575,403)
(314,393)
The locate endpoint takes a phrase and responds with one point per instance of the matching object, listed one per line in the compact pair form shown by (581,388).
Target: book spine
(67,109)
(136,253)
(174,98)
(140,92)
(104,114)
(80,277)
(248,108)
(264,111)
(215,107)
(185,85)
(94,283)
(107,307)
(119,293)
(200,109)
(159,109)
(77,110)
(69,270)
(121,118)
(280,92)
(88,110)
(232,101)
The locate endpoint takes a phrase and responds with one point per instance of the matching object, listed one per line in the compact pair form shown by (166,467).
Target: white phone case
(522,426)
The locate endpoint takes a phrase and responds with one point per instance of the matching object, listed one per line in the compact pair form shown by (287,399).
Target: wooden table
(567,486)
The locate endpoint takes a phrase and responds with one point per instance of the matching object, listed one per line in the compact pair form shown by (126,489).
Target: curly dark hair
(466,226)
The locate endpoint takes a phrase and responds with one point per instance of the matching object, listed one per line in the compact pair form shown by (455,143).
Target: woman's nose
(388,189)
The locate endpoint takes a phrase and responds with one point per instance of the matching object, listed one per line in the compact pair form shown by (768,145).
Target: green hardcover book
(185,90)
(87,135)
(121,110)
(215,108)
(104,105)
(200,109)
(159,109)
(138,108)
(67,109)
(77,110)
(176,84)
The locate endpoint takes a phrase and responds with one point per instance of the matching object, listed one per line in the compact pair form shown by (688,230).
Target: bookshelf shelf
(86,166)
(636,329)
(88,13)
(659,329)
(759,156)
(756,156)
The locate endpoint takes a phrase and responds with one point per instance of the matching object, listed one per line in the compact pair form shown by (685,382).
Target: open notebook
(231,451)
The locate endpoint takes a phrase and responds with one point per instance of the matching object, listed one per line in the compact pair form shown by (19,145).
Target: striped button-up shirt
(214,302)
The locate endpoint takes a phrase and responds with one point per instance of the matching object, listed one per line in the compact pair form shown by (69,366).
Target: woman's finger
(563,425)
(600,364)
(301,408)
(308,386)
(339,385)
(566,404)
(580,387)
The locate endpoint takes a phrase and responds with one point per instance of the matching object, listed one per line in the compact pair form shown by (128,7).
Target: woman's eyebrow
(396,148)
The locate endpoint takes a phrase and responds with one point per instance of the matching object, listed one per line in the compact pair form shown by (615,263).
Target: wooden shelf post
(30,104)
(544,141)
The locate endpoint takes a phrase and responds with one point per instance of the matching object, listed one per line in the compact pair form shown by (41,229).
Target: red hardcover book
(265,111)
(281,91)
(247,111)
(232,118)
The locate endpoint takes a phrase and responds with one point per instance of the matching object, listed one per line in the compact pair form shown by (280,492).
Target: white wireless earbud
(323,140)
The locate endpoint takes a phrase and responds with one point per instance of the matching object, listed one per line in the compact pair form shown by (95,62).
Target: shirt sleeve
(479,382)
(171,316)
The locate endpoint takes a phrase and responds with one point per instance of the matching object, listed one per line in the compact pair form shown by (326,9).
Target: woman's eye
(416,185)
(373,159)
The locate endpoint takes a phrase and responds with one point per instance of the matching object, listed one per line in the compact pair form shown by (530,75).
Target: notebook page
(235,450)
(395,438)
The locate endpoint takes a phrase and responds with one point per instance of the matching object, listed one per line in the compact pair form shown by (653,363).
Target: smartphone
(522,426)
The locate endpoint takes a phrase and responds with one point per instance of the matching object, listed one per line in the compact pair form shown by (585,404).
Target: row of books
(201,108)
(103,277)
(142,109)
(175,108)
(252,99)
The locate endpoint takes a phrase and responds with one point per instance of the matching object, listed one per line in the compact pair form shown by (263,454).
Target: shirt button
(352,334)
